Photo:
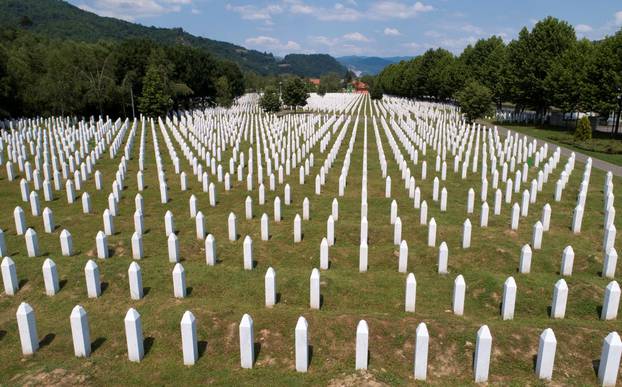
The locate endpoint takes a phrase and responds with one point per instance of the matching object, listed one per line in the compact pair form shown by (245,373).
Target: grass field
(601,146)
(220,295)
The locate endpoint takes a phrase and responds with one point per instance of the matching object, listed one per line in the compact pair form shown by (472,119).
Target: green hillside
(313,65)
(59,19)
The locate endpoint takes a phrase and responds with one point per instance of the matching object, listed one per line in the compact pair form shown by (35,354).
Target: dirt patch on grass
(361,378)
(511,233)
(119,249)
(445,365)
(231,333)
(57,377)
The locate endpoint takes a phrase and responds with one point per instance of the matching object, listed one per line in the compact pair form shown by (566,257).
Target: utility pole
(132,98)
(617,116)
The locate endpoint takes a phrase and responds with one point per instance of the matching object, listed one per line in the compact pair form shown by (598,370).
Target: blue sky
(357,27)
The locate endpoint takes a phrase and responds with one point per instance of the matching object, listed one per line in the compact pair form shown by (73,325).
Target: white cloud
(395,9)
(356,37)
(456,44)
(133,9)
(470,28)
(251,12)
(345,11)
(391,32)
(618,18)
(322,40)
(432,34)
(340,45)
(338,13)
(301,9)
(583,28)
(270,43)
(412,47)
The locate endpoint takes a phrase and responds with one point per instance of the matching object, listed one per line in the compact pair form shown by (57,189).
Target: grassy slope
(602,146)
(221,294)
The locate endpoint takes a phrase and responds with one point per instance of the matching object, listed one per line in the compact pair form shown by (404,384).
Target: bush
(270,101)
(475,100)
(375,91)
(583,131)
(295,92)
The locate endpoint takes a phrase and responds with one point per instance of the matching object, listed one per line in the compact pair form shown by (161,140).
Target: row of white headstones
(247,249)
(93,286)
(607,371)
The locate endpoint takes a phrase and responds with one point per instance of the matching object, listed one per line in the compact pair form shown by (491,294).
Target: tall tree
(531,58)
(475,100)
(270,101)
(224,95)
(486,62)
(156,99)
(295,92)
(566,81)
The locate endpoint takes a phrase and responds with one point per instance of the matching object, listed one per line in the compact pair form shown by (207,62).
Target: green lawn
(601,146)
(222,294)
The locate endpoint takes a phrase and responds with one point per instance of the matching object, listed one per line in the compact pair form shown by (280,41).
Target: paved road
(596,163)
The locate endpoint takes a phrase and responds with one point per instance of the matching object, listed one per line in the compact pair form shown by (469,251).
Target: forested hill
(311,65)
(59,19)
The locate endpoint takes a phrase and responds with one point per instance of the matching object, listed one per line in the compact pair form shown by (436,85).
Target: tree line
(44,76)
(542,68)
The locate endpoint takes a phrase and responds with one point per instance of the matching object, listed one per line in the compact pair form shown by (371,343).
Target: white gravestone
(134,274)
(362,345)
(93,283)
(80,332)
(421,352)
(314,289)
(134,335)
(50,277)
(247,342)
(611,301)
(610,359)
(27,327)
(411,293)
(179,281)
(302,344)
(459,295)
(546,354)
(483,348)
(270,287)
(560,297)
(188,326)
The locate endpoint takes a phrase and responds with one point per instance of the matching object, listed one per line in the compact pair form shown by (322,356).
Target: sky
(357,27)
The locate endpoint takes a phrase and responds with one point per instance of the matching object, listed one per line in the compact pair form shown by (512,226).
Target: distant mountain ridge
(369,65)
(59,19)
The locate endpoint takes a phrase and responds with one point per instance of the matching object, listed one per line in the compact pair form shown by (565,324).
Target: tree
(156,99)
(567,81)
(330,83)
(96,70)
(375,91)
(475,100)
(531,58)
(486,62)
(270,101)
(224,95)
(583,131)
(321,90)
(295,92)
(605,73)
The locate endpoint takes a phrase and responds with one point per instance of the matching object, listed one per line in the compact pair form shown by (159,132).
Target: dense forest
(542,68)
(61,20)
(42,76)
